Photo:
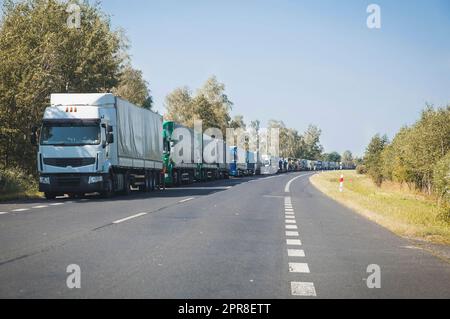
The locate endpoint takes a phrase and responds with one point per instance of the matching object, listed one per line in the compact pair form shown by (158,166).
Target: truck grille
(73,162)
(69,181)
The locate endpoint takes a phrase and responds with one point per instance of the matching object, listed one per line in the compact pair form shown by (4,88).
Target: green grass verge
(20,195)
(404,212)
(15,184)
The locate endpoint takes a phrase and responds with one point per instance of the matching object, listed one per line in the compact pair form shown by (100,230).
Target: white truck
(97,143)
(270,165)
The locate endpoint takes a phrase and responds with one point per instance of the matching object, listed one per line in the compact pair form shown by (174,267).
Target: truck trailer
(184,163)
(98,143)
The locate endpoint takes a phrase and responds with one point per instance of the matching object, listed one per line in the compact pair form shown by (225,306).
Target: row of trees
(419,155)
(212,105)
(41,54)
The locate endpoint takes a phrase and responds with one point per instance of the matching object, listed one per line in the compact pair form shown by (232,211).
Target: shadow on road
(192,190)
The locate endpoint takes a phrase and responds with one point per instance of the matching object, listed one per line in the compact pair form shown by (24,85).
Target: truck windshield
(70,134)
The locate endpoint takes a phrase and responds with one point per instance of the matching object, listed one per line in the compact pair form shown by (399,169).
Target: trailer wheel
(127,185)
(147,182)
(178,178)
(152,181)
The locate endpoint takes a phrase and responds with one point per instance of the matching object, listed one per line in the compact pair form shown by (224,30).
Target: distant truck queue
(100,143)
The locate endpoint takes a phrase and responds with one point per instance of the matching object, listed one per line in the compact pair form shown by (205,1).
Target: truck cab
(74,144)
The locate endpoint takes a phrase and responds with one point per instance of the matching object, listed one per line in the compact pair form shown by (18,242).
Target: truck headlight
(44,180)
(95,179)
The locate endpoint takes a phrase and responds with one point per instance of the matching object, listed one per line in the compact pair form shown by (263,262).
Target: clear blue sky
(298,61)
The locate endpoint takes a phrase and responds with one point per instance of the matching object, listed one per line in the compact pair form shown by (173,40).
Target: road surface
(265,237)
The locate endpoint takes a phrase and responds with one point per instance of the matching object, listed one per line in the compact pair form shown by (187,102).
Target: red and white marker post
(341,183)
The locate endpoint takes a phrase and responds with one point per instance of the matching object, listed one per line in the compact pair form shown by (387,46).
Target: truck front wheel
(50,196)
(109,188)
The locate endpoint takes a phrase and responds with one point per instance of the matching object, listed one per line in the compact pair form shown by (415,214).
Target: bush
(15,181)
(373,158)
(361,169)
(441,180)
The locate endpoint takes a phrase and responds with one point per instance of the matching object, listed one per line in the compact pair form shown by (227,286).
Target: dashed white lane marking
(292,234)
(186,200)
(288,185)
(128,218)
(296,253)
(39,207)
(57,204)
(299,267)
(20,210)
(293,242)
(303,289)
(3,213)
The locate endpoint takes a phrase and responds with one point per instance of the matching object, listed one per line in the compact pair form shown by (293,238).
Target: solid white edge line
(288,185)
(128,218)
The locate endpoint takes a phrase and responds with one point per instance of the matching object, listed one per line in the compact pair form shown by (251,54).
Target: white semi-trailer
(98,143)
(270,165)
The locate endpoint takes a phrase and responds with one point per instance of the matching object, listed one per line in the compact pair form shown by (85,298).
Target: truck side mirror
(109,138)
(109,129)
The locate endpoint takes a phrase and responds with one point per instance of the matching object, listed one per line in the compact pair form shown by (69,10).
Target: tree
(291,142)
(413,152)
(373,159)
(204,111)
(441,180)
(40,55)
(238,122)
(332,157)
(214,92)
(182,107)
(179,106)
(347,159)
(313,148)
(134,88)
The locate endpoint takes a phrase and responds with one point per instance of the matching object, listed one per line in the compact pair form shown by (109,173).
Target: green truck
(183,156)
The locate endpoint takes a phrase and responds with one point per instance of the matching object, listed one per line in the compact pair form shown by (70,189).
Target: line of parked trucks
(100,143)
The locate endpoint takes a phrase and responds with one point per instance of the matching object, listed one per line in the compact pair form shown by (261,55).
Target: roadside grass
(14,184)
(396,207)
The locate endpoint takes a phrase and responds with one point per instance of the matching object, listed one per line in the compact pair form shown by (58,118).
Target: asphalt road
(242,238)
